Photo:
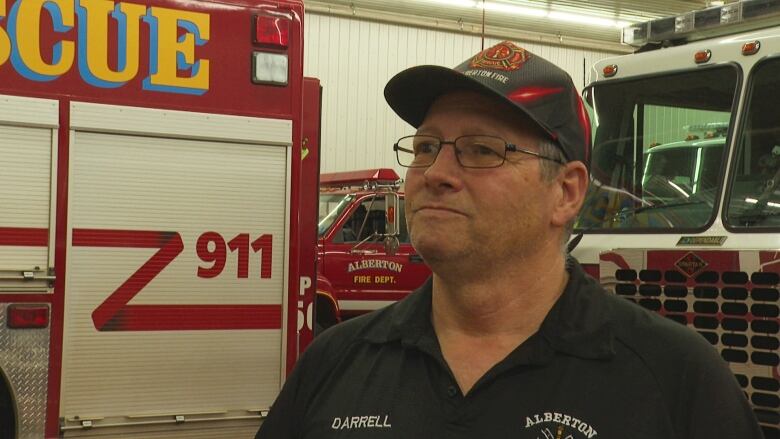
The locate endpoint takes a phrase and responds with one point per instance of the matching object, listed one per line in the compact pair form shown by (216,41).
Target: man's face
(478,215)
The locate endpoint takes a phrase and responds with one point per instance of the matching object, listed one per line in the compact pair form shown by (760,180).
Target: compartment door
(177,269)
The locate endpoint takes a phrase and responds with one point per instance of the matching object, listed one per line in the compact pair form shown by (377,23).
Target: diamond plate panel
(24,358)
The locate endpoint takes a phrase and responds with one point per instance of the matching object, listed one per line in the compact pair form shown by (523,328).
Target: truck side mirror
(392,227)
(391,214)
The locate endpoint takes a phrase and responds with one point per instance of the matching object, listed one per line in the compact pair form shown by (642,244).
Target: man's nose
(445,170)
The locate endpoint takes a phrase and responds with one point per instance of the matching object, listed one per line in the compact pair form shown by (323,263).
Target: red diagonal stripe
(121,238)
(195,317)
(171,246)
(26,237)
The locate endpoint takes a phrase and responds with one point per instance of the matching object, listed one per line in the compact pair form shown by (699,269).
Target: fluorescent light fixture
(754,201)
(679,189)
(460,3)
(585,19)
(512,9)
(528,11)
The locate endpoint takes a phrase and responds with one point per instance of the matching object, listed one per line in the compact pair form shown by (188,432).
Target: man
(509,338)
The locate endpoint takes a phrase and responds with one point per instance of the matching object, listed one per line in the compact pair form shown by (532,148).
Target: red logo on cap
(503,56)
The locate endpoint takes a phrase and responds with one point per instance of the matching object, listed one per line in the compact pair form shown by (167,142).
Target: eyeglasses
(471,151)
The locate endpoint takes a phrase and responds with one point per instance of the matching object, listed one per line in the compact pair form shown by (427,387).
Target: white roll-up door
(28,133)
(177,266)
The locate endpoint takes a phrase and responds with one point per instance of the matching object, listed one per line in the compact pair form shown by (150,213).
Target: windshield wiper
(623,214)
(640,209)
(753,217)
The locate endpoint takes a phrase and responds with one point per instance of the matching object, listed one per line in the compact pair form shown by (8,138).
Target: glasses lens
(481,151)
(417,151)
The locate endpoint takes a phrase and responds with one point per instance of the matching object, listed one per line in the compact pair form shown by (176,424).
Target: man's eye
(478,149)
(424,148)
(483,150)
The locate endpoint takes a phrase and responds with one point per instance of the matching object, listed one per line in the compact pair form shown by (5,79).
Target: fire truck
(364,257)
(158,196)
(683,211)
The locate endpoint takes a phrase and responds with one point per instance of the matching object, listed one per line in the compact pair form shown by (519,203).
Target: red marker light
(751,48)
(391,215)
(272,30)
(610,70)
(28,316)
(702,56)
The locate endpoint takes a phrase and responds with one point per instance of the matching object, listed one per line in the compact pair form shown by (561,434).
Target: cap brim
(411,92)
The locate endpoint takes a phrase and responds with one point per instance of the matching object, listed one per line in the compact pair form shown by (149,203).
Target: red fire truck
(361,266)
(683,212)
(157,215)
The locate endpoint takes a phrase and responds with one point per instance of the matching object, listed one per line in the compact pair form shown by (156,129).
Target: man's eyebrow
(430,131)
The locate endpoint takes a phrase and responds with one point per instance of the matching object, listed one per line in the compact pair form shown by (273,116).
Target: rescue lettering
(173,66)
(353,422)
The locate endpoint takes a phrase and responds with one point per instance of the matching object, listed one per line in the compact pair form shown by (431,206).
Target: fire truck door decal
(116,314)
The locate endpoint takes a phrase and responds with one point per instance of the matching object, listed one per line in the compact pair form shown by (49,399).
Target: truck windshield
(658,150)
(754,195)
(331,207)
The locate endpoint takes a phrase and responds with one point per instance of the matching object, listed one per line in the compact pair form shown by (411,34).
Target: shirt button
(452,391)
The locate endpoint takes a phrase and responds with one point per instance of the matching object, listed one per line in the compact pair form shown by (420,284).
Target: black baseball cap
(538,88)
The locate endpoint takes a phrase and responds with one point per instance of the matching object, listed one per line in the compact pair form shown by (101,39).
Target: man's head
(532,86)
(467,204)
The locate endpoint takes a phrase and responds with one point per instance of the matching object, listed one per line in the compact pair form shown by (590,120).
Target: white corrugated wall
(354,59)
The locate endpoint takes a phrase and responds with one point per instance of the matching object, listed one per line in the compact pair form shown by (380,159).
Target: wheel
(7,411)
(325,315)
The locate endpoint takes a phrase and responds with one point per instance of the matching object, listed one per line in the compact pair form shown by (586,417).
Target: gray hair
(550,170)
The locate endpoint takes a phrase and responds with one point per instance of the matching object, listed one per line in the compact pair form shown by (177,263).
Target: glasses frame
(508,147)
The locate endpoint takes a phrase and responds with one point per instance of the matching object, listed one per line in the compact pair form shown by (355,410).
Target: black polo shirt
(599,367)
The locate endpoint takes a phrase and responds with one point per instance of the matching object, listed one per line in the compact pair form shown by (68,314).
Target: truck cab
(358,268)
(683,209)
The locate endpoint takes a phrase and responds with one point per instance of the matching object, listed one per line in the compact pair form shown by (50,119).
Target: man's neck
(515,299)
(479,321)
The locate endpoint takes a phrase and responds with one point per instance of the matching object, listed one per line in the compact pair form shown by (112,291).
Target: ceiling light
(584,19)
(512,9)
(460,3)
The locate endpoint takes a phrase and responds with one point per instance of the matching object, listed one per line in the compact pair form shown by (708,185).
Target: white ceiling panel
(578,23)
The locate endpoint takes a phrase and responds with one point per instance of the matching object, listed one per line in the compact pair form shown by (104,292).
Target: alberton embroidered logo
(554,425)
(503,56)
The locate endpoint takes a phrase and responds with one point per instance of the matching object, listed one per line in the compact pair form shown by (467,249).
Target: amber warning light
(28,316)
(751,48)
(702,56)
(610,70)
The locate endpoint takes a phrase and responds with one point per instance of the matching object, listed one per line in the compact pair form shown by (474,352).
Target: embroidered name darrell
(562,419)
(352,422)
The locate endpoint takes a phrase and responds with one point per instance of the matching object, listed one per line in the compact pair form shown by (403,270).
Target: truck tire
(7,411)
(326,315)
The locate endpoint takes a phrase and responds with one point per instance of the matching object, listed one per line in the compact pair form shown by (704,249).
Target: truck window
(331,208)
(754,196)
(370,215)
(658,149)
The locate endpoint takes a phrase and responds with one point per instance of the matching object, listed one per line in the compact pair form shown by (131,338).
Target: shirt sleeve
(718,407)
(284,417)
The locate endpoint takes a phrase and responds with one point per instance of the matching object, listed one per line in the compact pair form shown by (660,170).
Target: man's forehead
(482,108)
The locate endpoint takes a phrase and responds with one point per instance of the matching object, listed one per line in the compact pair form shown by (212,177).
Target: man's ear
(572,184)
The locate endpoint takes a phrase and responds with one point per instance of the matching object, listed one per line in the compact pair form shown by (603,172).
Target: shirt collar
(577,324)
